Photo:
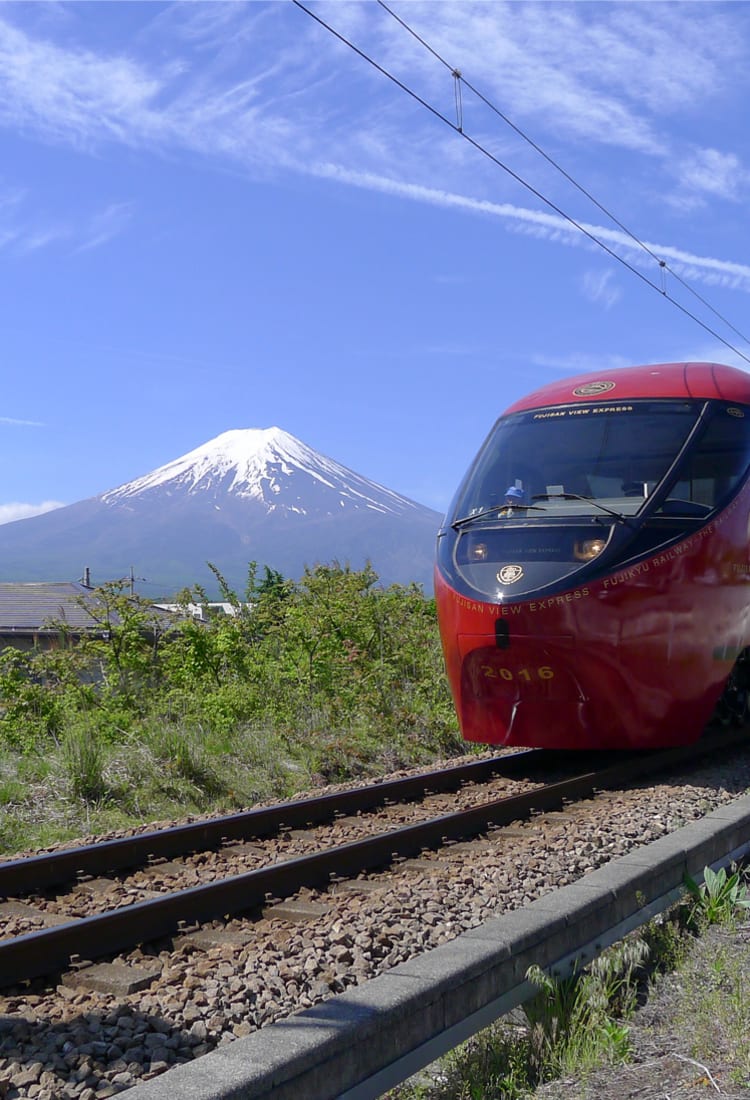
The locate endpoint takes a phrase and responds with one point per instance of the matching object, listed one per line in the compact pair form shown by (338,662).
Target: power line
(461,79)
(458,129)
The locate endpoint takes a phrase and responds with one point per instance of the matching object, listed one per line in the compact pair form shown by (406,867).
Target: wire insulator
(459,100)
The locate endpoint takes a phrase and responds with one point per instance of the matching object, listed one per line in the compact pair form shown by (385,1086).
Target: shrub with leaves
(324,678)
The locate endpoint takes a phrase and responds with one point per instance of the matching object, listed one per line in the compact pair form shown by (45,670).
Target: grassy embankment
(313,682)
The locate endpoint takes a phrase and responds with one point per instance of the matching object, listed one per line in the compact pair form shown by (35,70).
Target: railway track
(105,857)
(46,951)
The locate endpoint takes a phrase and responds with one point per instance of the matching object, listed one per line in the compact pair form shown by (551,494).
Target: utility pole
(132,579)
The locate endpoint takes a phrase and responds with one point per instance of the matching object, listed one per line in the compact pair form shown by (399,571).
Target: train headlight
(588,549)
(478,552)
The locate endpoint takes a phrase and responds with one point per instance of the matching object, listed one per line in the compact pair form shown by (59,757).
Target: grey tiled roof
(34,608)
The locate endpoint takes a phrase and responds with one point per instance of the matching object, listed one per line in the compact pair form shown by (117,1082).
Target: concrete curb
(362,1042)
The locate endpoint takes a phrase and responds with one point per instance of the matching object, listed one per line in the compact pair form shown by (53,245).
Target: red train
(593,570)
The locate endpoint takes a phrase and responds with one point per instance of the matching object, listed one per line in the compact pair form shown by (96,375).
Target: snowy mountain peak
(268,466)
(246,496)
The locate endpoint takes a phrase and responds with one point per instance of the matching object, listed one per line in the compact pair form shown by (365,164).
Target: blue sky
(218,216)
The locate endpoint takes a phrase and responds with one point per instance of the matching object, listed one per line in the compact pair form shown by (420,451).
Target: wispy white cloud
(525,57)
(11,512)
(207,25)
(28,229)
(599,286)
(706,269)
(568,69)
(106,224)
(71,95)
(564,70)
(708,172)
(30,238)
(15,422)
(606,72)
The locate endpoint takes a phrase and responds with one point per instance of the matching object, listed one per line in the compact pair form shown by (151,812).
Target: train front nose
(527,693)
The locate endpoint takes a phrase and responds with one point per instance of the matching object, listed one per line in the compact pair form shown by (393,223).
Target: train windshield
(577,460)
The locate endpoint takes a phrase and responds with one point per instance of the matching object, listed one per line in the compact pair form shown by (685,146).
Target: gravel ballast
(69,1042)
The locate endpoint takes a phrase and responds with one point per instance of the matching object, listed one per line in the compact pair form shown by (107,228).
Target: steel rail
(50,949)
(35,873)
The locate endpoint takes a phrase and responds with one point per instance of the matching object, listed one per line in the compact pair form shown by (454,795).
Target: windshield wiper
(589,500)
(496,508)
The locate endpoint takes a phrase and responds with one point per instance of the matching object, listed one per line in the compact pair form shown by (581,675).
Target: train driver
(513,500)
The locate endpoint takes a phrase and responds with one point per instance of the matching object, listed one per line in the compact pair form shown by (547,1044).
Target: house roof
(35,608)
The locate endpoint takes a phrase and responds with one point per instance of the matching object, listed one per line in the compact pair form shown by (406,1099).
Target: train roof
(701,380)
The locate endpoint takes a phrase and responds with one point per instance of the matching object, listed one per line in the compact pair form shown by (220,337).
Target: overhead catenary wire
(459,129)
(461,79)
(521,133)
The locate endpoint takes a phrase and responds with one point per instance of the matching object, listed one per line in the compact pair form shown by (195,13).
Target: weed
(83,761)
(720,899)
(573,1025)
(667,939)
(182,758)
(576,1022)
(11,791)
(716,979)
(493,1065)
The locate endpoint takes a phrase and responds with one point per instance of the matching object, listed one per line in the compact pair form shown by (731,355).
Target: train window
(573,460)
(712,468)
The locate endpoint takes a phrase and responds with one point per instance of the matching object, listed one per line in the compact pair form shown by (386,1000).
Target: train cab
(594,558)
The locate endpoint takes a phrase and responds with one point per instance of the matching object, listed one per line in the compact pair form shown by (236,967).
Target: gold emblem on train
(592,389)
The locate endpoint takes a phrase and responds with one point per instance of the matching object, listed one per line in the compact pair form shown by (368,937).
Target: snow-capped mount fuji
(249,495)
(267,466)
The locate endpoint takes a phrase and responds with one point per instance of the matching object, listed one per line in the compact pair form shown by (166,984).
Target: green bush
(320,680)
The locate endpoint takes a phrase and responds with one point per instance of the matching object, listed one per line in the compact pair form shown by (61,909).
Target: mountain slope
(251,494)
(270,467)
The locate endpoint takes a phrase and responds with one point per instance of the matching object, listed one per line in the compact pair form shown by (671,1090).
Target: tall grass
(307,683)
